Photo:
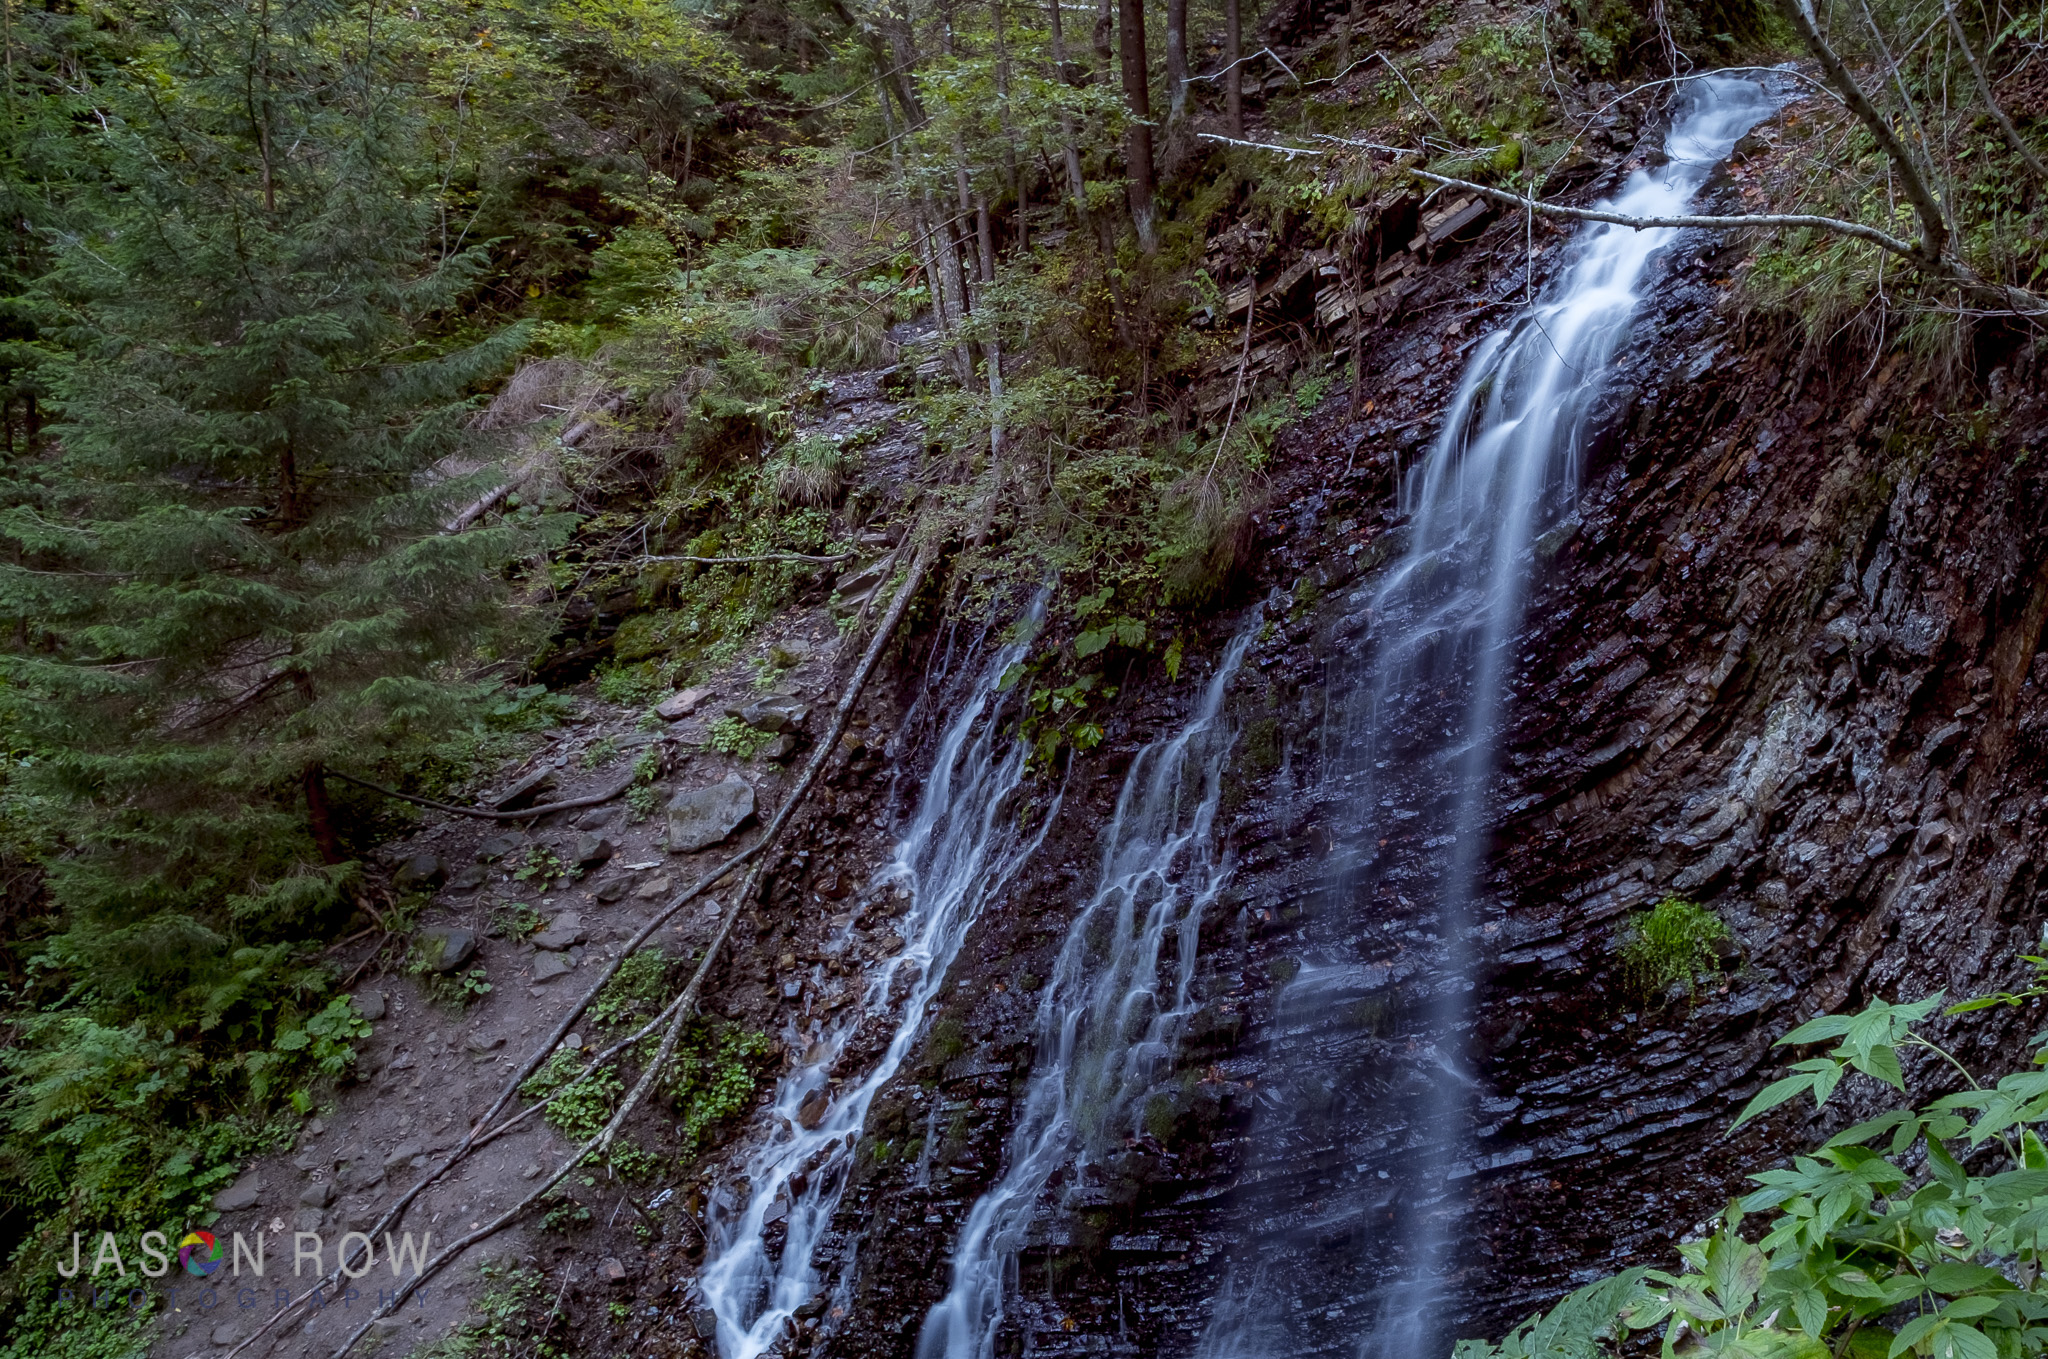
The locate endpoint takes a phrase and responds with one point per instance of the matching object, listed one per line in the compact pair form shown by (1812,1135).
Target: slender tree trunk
(1138,136)
(1233,75)
(1176,60)
(319,816)
(1105,28)
(992,343)
(2012,134)
(1077,184)
(1013,178)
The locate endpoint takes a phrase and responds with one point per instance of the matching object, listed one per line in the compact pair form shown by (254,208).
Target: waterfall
(1369,1144)
(958,852)
(1110,1015)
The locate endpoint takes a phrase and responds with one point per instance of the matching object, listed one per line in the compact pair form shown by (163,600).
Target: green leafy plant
(635,992)
(519,1316)
(1917,1232)
(1674,941)
(540,866)
(716,1077)
(601,752)
(629,686)
(514,920)
(730,736)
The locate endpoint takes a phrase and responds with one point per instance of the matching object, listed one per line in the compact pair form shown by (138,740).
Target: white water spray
(959,851)
(1110,1016)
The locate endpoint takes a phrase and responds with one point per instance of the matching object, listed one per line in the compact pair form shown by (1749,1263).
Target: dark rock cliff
(1782,662)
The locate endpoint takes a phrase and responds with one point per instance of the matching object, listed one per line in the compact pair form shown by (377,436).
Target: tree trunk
(1176,60)
(1077,184)
(319,817)
(1233,74)
(1138,136)
(1105,27)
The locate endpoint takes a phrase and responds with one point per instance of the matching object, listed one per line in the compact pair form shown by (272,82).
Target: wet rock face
(1781,661)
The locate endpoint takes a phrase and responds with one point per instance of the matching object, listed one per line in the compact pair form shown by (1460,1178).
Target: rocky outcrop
(1783,662)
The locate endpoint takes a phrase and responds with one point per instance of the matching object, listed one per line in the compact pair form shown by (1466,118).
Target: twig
(1244,359)
(522,814)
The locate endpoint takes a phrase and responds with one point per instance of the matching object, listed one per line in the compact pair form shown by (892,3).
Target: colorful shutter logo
(199,1253)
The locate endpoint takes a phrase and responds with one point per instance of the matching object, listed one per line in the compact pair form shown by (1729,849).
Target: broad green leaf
(1963,1342)
(1976,1305)
(1088,643)
(1771,1096)
(1817,1030)
(1945,1168)
(1883,1063)
(1952,1277)
(1912,1333)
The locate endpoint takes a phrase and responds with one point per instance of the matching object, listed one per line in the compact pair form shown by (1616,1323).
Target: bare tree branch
(2012,134)
(2012,301)
(522,814)
(1736,223)
(1934,229)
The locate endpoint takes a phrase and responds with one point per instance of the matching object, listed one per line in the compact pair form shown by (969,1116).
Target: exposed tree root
(675,1014)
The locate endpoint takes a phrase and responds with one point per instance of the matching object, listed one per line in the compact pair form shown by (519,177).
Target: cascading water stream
(960,849)
(1111,1014)
(1411,736)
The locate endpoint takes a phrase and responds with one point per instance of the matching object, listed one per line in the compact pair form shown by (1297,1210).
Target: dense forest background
(294,290)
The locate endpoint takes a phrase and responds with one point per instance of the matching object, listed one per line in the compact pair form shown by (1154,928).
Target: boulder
(612,889)
(564,930)
(371,1005)
(498,846)
(243,1193)
(548,966)
(597,818)
(401,1155)
(699,818)
(592,849)
(811,1112)
(456,946)
(680,705)
(469,879)
(420,873)
(781,750)
(526,791)
(855,588)
(318,1194)
(775,714)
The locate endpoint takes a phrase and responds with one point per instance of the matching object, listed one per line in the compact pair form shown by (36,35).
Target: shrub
(1859,1256)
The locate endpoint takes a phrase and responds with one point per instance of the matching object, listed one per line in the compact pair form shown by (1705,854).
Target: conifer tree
(231,568)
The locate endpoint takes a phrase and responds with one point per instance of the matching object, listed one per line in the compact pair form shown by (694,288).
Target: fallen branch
(842,715)
(2017,301)
(1289,151)
(1736,223)
(520,814)
(745,561)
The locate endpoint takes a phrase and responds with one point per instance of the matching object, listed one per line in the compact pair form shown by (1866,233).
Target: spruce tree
(232,570)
